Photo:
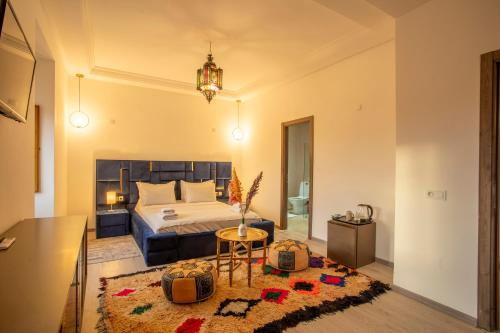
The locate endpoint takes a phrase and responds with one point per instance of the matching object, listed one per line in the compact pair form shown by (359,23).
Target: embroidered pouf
(189,281)
(289,255)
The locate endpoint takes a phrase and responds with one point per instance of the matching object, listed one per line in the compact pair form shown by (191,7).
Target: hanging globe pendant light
(78,118)
(209,78)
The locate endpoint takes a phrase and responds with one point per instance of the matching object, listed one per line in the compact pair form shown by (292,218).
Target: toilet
(299,203)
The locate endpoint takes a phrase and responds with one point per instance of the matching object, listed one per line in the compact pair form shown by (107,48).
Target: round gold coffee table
(236,242)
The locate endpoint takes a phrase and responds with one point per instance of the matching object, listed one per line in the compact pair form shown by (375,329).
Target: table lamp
(111,198)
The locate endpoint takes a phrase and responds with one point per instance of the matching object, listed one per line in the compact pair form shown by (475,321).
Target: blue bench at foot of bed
(164,248)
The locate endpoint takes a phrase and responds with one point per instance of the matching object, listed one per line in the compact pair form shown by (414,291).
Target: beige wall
(44,97)
(16,170)
(438,48)
(128,122)
(17,145)
(60,141)
(17,140)
(354,148)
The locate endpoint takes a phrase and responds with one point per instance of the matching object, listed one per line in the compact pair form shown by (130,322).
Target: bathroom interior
(298,178)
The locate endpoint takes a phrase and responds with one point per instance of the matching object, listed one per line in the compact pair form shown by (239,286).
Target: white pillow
(200,192)
(183,187)
(156,194)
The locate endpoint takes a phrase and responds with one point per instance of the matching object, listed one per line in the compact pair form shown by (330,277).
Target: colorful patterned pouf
(289,255)
(189,281)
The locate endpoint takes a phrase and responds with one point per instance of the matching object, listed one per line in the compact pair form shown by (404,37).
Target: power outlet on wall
(436,195)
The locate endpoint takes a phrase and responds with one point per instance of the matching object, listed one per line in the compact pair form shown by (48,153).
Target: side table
(236,243)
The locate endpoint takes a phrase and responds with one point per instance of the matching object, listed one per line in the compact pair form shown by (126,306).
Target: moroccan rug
(111,248)
(276,301)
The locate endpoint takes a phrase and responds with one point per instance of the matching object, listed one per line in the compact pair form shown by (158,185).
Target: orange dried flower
(235,190)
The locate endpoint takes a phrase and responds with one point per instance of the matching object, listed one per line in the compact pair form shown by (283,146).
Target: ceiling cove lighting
(209,78)
(78,118)
(238,132)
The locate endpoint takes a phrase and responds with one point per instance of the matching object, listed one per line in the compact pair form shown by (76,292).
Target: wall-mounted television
(17,65)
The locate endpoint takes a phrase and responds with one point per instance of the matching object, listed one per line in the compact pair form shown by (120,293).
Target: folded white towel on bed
(167,210)
(170,216)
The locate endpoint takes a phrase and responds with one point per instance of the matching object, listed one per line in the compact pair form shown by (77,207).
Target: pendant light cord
(79,94)
(238,102)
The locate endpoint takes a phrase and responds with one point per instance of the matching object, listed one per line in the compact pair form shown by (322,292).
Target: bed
(192,234)
(193,217)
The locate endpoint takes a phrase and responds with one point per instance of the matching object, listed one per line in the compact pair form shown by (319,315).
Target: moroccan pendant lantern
(209,78)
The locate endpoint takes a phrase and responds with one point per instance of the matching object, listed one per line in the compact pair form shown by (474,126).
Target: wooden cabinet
(351,245)
(43,276)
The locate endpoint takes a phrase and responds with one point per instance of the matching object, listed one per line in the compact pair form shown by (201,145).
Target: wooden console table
(43,276)
(236,243)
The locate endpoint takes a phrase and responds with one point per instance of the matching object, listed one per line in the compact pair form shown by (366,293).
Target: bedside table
(110,223)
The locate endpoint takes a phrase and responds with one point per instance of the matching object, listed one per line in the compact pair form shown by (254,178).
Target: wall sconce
(238,132)
(78,118)
(111,198)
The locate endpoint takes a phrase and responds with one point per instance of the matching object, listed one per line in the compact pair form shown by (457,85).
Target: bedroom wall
(129,122)
(438,48)
(17,198)
(60,141)
(353,104)
(44,97)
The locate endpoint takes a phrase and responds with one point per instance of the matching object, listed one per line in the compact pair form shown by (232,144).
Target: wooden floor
(392,312)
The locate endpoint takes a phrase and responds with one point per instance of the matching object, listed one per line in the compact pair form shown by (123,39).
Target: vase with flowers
(236,198)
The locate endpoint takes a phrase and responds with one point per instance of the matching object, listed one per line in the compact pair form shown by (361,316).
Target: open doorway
(297,156)
(488,316)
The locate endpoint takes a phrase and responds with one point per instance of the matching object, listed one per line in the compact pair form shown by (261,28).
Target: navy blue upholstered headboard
(121,176)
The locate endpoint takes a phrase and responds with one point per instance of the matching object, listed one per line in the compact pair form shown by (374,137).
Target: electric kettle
(364,213)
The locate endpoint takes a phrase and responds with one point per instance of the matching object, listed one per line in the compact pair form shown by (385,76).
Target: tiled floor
(392,312)
(298,224)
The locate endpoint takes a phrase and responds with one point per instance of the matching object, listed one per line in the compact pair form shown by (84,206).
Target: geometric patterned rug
(276,301)
(111,248)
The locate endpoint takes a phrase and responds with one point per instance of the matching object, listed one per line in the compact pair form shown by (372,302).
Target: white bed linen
(193,217)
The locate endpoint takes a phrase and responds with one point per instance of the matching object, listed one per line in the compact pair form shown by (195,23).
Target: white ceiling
(397,8)
(161,43)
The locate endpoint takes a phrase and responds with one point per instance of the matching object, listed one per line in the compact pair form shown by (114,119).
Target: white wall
(354,149)
(129,122)
(438,48)
(45,98)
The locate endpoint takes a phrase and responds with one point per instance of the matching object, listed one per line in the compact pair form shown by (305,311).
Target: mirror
(17,65)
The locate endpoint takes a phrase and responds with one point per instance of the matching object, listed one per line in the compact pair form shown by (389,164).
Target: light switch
(436,195)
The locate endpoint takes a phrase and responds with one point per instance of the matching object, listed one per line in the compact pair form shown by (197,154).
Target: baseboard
(384,262)
(436,306)
(319,240)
